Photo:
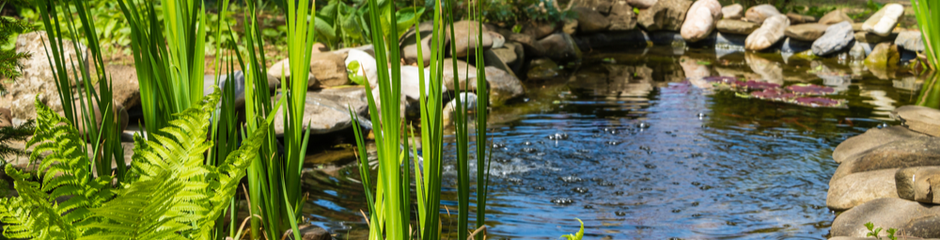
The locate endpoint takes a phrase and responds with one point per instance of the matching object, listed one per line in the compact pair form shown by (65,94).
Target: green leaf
(578,235)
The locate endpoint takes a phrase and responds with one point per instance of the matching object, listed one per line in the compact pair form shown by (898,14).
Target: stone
(125,87)
(539,29)
(867,37)
(642,4)
(664,15)
(367,65)
(409,43)
(560,46)
(701,20)
(503,86)
(529,44)
(542,69)
(622,17)
(858,188)
(238,85)
(858,27)
(910,40)
(884,57)
(37,79)
(309,232)
(836,37)
(918,184)
(5,119)
(326,111)
(508,54)
(327,69)
(570,26)
(601,6)
(911,152)
(464,72)
(806,32)
(884,21)
(591,21)
(906,216)
(411,82)
(800,19)
(736,26)
(871,139)
(771,31)
(733,11)
(490,59)
(469,100)
(919,118)
(757,14)
(836,16)
(465,33)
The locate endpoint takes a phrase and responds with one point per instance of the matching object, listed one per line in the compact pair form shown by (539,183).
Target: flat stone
(858,188)
(733,11)
(800,19)
(664,15)
(919,184)
(642,4)
(326,111)
(771,31)
(701,20)
(622,17)
(560,46)
(871,139)
(591,21)
(911,152)
(465,33)
(835,38)
(806,32)
(327,69)
(736,26)
(906,216)
(884,21)
(836,16)
(920,119)
(757,14)
(867,37)
(910,40)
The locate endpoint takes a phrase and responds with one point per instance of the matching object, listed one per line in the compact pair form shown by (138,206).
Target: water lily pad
(755,85)
(810,89)
(774,94)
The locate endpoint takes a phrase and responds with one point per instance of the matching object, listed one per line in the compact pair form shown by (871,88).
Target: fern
(169,194)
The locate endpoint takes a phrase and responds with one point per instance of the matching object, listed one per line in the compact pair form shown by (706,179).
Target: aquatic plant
(169,193)
(578,235)
(810,89)
(874,232)
(928,20)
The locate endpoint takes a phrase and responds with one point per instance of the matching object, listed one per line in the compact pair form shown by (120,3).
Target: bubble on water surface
(580,190)
(562,201)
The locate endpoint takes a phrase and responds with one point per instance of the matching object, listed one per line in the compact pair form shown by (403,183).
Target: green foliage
(873,232)
(578,235)
(9,29)
(928,20)
(815,11)
(169,194)
(870,8)
(518,11)
(113,29)
(14,133)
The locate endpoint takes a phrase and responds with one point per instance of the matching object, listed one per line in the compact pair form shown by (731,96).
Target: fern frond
(33,213)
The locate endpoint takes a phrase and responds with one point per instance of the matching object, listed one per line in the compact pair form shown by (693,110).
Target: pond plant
(928,20)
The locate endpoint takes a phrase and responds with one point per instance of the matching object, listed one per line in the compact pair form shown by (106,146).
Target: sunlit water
(643,153)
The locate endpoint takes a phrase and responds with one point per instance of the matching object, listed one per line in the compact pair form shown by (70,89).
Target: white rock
(771,31)
(367,63)
(883,21)
(700,20)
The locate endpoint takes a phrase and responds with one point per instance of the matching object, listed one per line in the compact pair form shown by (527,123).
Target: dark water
(649,154)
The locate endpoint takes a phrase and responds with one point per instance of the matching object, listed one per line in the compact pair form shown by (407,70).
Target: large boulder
(538,29)
(834,17)
(757,14)
(465,33)
(919,184)
(512,54)
(591,21)
(771,31)
(736,26)
(326,111)
(806,32)
(560,46)
(622,17)
(503,86)
(858,188)
(37,81)
(871,139)
(912,152)
(884,58)
(463,72)
(125,88)
(409,43)
(664,15)
(701,20)
(918,118)
(733,11)
(910,40)
(835,38)
(910,218)
(884,21)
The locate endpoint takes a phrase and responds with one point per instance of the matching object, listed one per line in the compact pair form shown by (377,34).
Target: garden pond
(629,144)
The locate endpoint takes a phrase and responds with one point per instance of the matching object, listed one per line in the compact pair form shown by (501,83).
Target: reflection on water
(652,154)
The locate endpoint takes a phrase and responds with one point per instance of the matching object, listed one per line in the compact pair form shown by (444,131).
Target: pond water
(648,154)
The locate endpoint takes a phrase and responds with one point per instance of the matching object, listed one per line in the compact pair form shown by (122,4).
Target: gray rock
(912,152)
(757,14)
(622,17)
(542,69)
(664,15)
(591,21)
(918,118)
(834,17)
(560,46)
(701,20)
(736,26)
(503,86)
(465,33)
(835,38)
(918,184)
(883,21)
(907,216)
(871,139)
(806,32)
(326,111)
(771,31)
(858,188)
(910,40)
(733,11)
